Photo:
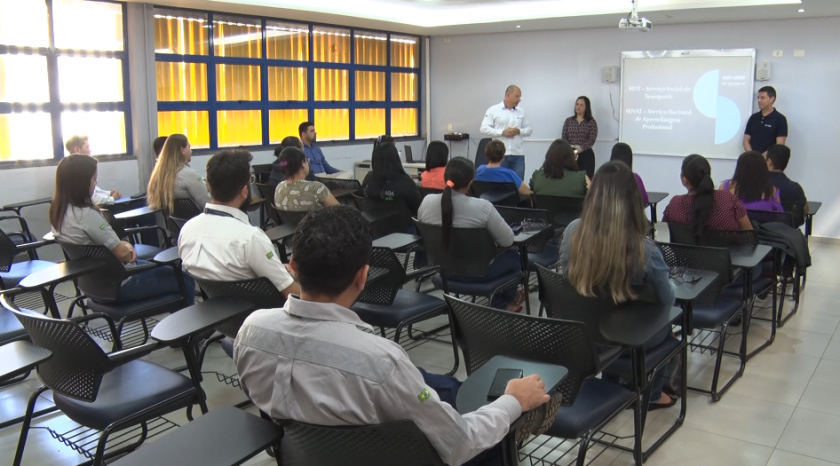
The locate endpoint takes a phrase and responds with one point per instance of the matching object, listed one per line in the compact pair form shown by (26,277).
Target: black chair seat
(736,290)
(127,390)
(146,252)
(484,288)
(10,327)
(546,258)
(712,316)
(407,305)
(653,356)
(21,270)
(156,305)
(596,400)
(227,346)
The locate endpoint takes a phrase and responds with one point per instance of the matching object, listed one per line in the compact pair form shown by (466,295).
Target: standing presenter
(581,130)
(506,122)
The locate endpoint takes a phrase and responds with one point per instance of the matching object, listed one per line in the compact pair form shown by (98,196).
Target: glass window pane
(287,83)
(86,25)
(286,41)
(332,124)
(405,51)
(403,122)
(82,79)
(331,45)
(237,82)
(195,125)
(371,48)
(237,37)
(181,82)
(404,87)
(370,86)
(24,22)
(282,123)
(181,32)
(23,78)
(331,85)
(105,130)
(239,127)
(370,123)
(25,136)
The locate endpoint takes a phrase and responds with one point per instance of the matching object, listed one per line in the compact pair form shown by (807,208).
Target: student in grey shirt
(76,220)
(454,209)
(173,178)
(312,361)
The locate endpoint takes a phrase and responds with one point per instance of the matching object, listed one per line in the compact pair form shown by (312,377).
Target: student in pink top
(437,155)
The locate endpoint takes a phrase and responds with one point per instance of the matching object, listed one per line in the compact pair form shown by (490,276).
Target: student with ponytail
(704,207)
(455,209)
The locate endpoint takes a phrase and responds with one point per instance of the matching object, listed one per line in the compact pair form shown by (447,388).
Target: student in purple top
(622,152)
(495,172)
(752,185)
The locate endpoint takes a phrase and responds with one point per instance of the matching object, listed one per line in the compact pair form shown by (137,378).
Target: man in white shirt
(221,244)
(78,144)
(506,122)
(312,361)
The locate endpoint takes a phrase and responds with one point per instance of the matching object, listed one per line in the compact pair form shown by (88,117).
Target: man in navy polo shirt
(767,126)
(790,191)
(317,162)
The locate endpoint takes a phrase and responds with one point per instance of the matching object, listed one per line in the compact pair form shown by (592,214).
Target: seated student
(158,145)
(704,206)
(78,144)
(495,172)
(172,177)
(295,194)
(607,252)
(455,209)
(276,175)
(381,140)
(387,180)
(778,156)
(437,154)
(751,184)
(76,220)
(560,174)
(623,153)
(221,244)
(293,362)
(314,156)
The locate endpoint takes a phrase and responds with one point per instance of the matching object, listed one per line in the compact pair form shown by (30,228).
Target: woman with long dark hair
(581,130)
(277,175)
(622,152)
(437,156)
(456,209)
(388,180)
(752,185)
(75,220)
(705,207)
(560,174)
(606,252)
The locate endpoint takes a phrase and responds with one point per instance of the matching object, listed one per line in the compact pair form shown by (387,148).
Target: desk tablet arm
(167,256)
(187,322)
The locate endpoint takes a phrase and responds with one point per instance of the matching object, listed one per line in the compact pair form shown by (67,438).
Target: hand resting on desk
(529,391)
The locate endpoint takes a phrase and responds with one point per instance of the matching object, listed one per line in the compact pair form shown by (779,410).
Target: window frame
(55,107)
(213,105)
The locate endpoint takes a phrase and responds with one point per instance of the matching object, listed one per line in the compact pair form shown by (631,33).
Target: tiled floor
(783,411)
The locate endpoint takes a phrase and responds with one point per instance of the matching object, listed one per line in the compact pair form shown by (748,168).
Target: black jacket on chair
(786,238)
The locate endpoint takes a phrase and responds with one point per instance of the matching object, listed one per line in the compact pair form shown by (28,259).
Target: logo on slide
(722,109)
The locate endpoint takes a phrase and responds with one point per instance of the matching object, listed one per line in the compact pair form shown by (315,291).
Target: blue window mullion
(211,88)
(310,76)
(351,83)
(264,87)
(388,88)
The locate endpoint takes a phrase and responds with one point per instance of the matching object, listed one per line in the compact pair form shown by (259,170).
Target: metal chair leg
(27,421)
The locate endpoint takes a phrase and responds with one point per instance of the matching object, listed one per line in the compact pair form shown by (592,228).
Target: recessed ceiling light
(518,26)
(802,10)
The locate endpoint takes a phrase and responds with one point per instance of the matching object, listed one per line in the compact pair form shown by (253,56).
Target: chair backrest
(334,183)
(701,258)
(261,172)
(478,188)
(480,154)
(267,191)
(409,157)
(116,224)
(396,443)
(532,216)
(798,211)
(562,210)
(397,223)
(185,208)
(104,283)
(483,332)
(259,291)
(289,217)
(682,234)
(383,291)
(8,251)
(77,364)
(471,250)
(426,191)
(768,216)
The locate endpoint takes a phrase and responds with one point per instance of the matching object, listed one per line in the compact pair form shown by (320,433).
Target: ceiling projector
(632,22)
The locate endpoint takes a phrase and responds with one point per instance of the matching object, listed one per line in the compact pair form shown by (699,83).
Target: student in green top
(560,175)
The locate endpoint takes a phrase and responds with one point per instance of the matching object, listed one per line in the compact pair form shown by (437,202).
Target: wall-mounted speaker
(609,74)
(762,71)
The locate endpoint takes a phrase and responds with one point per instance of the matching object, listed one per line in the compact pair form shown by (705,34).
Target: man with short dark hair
(221,244)
(312,361)
(158,145)
(778,156)
(317,162)
(766,126)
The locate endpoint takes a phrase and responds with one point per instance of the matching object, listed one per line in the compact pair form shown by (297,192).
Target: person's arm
(101,197)
(263,261)
(524,190)
(747,145)
(782,131)
(591,135)
(642,188)
(487,125)
(499,229)
(324,195)
(588,181)
(330,200)
(101,233)
(413,198)
(196,187)
(744,223)
(781,139)
(125,252)
(328,169)
(657,273)
(741,215)
(526,129)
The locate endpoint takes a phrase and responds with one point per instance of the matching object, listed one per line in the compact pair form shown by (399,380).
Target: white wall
(470,73)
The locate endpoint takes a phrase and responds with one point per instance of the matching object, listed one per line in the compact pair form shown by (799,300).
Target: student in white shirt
(221,244)
(78,144)
(506,122)
(173,178)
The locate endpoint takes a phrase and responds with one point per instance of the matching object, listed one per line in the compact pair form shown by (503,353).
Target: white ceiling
(454,17)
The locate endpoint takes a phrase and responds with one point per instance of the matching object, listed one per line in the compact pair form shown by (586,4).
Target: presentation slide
(683,102)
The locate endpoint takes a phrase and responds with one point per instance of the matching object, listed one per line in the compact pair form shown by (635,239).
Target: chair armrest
(200,317)
(636,324)
(11,217)
(281,232)
(134,213)
(142,268)
(123,356)
(34,245)
(428,270)
(167,256)
(132,230)
(19,357)
(62,272)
